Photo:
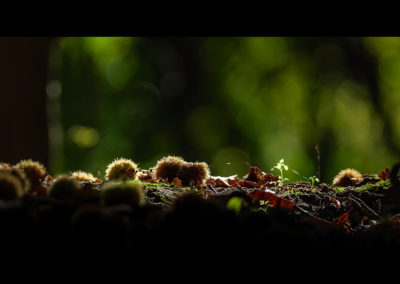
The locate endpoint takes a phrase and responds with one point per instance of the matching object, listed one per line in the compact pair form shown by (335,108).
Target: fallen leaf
(385,174)
(233,181)
(254,174)
(258,176)
(210,182)
(342,222)
(204,194)
(247,183)
(219,181)
(176,181)
(335,202)
(273,199)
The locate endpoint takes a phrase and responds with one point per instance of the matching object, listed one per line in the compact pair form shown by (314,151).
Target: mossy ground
(261,210)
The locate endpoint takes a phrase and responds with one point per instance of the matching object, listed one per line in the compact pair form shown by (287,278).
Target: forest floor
(223,213)
(350,209)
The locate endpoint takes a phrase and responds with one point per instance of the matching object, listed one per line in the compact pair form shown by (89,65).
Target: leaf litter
(349,209)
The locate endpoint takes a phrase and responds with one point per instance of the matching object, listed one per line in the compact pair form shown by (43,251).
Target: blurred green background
(225,101)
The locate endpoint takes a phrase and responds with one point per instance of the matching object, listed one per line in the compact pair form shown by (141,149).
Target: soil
(202,219)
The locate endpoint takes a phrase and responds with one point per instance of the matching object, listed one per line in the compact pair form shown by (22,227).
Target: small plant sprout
(313,179)
(280,166)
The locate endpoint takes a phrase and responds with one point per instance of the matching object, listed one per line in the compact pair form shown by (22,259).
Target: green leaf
(235,204)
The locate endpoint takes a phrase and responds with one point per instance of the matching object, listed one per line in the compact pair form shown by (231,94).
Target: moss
(65,188)
(339,189)
(122,192)
(121,169)
(10,187)
(380,186)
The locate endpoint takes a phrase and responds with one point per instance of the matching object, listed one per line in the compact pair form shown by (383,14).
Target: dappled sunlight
(231,100)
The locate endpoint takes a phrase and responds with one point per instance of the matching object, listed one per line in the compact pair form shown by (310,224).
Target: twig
(319,162)
(311,217)
(212,188)
(364,207)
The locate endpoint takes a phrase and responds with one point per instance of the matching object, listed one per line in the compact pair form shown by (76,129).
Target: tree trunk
(23,78)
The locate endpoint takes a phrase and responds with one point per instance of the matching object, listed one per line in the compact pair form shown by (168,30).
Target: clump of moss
(10,187)
(34,171)
(121,169)
(122,192)
(65,188)
(347,177)
(83,176)
(168,167)
(380,186)
(194,173)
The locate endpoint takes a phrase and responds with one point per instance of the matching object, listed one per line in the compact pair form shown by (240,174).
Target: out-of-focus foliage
(228,101)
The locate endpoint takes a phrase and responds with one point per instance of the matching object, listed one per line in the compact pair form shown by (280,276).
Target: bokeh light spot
(53,89)
(83,136)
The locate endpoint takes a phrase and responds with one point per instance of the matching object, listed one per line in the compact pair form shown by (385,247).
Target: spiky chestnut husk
(10,187)
(122,192)
(347,177)
(65,188)
(5,167)
(35,171)
(18,173)
(121,169)
(83,176)
(194,173)
(168,167)
(21,176)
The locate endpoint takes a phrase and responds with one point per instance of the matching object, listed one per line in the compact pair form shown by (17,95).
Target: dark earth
(253,215)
